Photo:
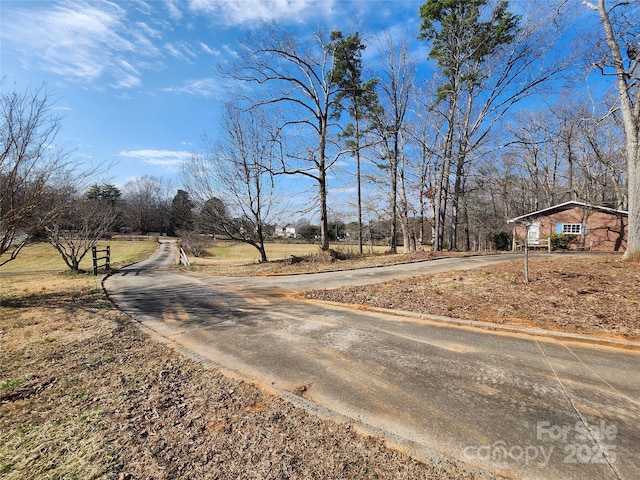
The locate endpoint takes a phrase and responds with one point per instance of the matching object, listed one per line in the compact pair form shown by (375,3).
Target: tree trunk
(421,219)
(630,115)
(441,200)
(263,254)
(467,226)
(324,223)
(441,204)
(358,180)
(443,182)
(393,242)
(260,242)
(393,247)
(322,187)
(408,245)
(455,203)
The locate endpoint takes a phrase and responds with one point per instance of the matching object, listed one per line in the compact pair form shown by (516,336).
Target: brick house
(596,228)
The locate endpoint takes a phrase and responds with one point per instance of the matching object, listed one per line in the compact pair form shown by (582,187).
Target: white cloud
(181,50)
(83,41)
(67,36)
(343,191)
(143,33)
(127,81)
(142,6)
(230,51)
(207,49)
(237,12)
(174,11)
(161,158)
(206,87)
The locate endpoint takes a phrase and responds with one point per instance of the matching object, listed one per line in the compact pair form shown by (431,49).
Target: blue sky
(135,81)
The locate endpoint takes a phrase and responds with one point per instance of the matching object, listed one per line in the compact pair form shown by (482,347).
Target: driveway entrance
(513,404)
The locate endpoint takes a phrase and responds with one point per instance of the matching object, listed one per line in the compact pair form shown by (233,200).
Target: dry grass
(85,394)
(40,273)
(303,259)
(595,295)
(43,258)
(221,251)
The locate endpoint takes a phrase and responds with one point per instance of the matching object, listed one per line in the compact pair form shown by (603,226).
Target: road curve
(512,404)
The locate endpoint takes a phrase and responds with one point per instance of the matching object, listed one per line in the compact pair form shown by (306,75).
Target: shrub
(195,244)
(501,241)
(561,241)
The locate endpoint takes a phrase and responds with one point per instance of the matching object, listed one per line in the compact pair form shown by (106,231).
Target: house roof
(561,207)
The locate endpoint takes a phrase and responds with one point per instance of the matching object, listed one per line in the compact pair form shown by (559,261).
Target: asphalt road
(517,405)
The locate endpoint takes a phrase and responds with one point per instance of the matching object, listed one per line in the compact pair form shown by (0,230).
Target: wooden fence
(105,257)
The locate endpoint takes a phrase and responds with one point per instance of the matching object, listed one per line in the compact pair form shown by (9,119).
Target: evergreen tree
(105,192)
(181,216)
(360,96)
(464,34)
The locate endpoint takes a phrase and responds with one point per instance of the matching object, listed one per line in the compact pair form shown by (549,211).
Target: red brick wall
(605,232)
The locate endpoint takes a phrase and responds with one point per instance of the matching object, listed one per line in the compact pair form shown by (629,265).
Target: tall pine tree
(464,34)
(361,97)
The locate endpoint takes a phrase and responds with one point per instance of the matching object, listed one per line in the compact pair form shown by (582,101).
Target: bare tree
(233,183)
(541,160)
(490,61)
(427,137)
(78,228)
(568,151)
(595,156)
(622,33)
(301,78)
(397,77)
(35,175)
(146,204)
(424,174)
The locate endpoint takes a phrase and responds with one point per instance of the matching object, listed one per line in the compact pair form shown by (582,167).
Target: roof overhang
(561,207)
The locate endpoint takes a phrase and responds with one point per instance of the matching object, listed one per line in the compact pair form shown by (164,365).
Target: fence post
(106,258)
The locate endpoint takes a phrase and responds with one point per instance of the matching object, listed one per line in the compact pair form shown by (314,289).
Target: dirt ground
(85,394)
(593,295)
(317,262)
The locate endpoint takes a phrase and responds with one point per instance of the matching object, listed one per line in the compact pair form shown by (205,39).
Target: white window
(572,228)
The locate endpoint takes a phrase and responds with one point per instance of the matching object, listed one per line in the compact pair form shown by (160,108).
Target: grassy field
(84,394)
(224,251)
(39,268)
(237,259)
(42,257)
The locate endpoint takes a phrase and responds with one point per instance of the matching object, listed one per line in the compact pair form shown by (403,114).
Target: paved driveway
(519,405)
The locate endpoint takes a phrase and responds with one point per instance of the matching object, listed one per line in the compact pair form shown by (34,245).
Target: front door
(533,233)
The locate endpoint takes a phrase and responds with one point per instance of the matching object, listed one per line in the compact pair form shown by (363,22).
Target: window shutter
(558,228)
(585,229)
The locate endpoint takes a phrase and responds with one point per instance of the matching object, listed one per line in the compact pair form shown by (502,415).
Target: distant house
(287,231)
(595,228)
